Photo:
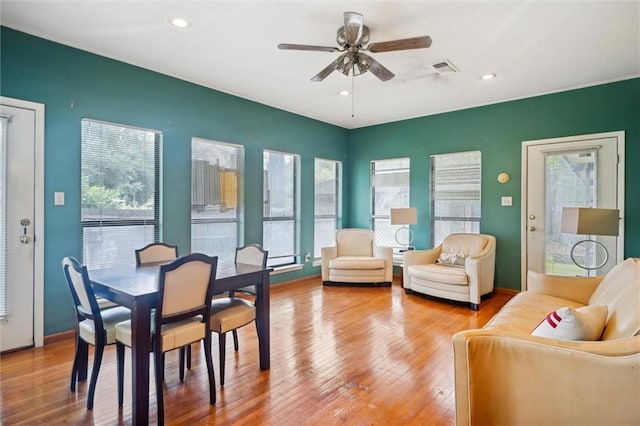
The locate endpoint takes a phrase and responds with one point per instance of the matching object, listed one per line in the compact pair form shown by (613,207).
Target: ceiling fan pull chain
(353,94)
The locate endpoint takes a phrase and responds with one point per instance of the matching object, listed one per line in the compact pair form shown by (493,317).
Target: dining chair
(93,326)
(231,313)
(185,287)
(156,253)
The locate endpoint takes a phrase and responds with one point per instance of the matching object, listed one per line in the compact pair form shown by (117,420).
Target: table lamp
(404,216)
(590,221)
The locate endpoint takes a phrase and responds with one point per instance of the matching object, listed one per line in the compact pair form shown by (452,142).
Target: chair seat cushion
(439,273)
(356,262)
(230,313)
(174,335)
(110,317)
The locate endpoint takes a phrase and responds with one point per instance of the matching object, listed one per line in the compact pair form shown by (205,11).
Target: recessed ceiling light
(180,22)
(488,76)
(344,93)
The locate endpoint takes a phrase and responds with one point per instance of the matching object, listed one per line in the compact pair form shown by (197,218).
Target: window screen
(389,189)
(327,203)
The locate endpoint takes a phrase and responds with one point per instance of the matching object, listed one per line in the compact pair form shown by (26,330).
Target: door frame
(38,229)
(619,136)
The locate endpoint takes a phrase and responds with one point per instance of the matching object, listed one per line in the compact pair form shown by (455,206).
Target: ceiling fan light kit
(353,39)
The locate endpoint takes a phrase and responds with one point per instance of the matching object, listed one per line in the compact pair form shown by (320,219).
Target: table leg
(140,346)
(263,320)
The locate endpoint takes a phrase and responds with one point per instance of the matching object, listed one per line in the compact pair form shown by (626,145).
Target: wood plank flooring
(339,355)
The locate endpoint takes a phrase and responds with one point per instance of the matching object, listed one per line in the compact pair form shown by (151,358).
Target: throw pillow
(448,259)
(585,323)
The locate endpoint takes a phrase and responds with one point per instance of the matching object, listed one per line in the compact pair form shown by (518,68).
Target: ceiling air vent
(445,67)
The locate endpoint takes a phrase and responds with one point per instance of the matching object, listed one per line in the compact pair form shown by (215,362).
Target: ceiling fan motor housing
(341,38)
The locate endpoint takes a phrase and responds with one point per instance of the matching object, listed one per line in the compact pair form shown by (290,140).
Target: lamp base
(404,242)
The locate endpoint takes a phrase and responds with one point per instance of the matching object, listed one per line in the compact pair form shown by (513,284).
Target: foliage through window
(327,203)
(389,189)
(119,192)
(280,207)
(455,194)
(216,200)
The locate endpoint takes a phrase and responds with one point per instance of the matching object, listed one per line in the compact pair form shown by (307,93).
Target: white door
(20,326)
(580,171)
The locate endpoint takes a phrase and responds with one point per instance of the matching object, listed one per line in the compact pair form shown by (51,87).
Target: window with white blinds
(389,189)
(120,199)
(327,203)
(280,207)
(4,288)
(216,197)
(455,194)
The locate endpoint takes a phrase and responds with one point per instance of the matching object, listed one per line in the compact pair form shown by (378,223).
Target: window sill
(317,262)
(287,268)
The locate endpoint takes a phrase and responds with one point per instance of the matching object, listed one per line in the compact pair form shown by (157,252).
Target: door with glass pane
(17,217)
(581,171)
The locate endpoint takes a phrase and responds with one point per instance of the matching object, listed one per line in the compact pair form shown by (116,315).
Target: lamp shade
(590,221)
(404,216)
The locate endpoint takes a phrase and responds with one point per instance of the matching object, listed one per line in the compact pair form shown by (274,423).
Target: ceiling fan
(353,39)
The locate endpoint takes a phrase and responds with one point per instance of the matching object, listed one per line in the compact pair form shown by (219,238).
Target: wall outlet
(307,257)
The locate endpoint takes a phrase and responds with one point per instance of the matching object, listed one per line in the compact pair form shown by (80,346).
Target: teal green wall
(498,132)
(73,84)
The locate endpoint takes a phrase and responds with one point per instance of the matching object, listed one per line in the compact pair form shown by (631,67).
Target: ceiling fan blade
(376,67)
(403,44)
(289,46)
(353,23)
(328,70)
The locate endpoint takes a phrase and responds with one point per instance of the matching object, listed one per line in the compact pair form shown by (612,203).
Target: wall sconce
(590,221)
(404,216)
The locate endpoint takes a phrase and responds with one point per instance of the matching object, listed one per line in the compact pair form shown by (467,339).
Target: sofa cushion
(464,244)
(356,262)
(620,292)
(439,273)
(585,323)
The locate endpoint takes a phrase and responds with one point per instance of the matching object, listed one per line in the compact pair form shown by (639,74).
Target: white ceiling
(534,47)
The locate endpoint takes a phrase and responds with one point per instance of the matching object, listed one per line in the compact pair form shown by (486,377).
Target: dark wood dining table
(136,287)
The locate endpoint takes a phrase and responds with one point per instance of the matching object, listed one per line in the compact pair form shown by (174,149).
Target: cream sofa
(466,282)
(506,376)
(356,259)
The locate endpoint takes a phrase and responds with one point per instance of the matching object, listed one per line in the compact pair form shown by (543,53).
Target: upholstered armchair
(356,259)
(461,268)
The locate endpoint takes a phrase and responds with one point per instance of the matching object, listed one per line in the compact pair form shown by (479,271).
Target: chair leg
(188,357)
(97,360)
(159,364)
(235,340)
(212,377)
(181,362)
(120,371)
(75,368)
(222,343)
(83,360)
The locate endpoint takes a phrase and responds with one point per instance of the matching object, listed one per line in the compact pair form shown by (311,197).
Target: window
(327,203)
(119,192)
(389,188)
(455,194)
(216,198)
(280,201)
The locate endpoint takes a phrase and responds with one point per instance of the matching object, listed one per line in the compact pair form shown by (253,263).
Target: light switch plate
(58,198)
(507,201)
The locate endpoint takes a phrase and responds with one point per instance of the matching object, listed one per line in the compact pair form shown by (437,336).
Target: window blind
(4,288)
(120,202)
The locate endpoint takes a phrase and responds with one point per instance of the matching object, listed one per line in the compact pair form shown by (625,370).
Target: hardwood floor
(339,355)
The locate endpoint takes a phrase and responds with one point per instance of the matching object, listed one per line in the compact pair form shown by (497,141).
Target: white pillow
(585,323)
(451,259)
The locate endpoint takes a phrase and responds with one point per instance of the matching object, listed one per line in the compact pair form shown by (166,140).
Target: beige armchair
(461,268)
(356,260)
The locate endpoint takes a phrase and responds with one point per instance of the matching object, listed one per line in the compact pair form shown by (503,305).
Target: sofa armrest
(507,378)
(386,253)
(327,254)
(481,272)
(577,289)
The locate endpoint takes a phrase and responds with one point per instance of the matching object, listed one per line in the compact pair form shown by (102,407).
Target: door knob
(532,228)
